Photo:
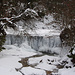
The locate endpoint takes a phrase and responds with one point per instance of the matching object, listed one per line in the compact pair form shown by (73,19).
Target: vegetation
(2,37)
(72,54)
(64,14)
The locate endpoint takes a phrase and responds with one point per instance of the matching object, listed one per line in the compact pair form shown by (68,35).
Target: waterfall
(39,43)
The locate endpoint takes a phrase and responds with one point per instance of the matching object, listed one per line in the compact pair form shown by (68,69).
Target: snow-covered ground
(9,59)
(37,65)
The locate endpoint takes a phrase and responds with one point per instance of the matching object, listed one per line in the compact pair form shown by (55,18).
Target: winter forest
(37,37)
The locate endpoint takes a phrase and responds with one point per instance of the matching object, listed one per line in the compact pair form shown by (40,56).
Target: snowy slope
(42,27)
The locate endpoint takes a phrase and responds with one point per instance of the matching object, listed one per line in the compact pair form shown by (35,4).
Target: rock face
(39,43)
(68,36)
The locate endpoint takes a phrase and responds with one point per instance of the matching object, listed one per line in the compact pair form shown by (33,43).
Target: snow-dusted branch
(28,12)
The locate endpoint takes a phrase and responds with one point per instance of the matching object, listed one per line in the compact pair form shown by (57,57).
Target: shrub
(72,54)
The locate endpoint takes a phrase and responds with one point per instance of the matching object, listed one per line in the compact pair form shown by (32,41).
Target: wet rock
(59,66)
(52,60)
(48,72)
(68,66)
(40,61)
(24,62)
(48,59)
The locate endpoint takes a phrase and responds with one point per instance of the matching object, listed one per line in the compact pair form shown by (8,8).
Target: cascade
(38,43)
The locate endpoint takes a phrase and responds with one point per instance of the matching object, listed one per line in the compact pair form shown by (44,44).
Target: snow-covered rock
(32,71)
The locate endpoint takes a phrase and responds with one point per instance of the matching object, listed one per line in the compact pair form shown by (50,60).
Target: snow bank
(69,71)
(44,32)
(44,62)
(32,71)
(9,59)
(9,62)
(8,65)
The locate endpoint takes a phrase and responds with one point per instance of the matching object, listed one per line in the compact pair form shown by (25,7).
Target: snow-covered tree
(2,36)
(72,54)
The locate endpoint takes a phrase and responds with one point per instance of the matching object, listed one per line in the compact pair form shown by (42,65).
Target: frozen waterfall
(39,43)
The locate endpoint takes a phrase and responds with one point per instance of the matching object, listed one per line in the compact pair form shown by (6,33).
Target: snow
(52,50)
(43,32)
(10,31)
(12,54)
(8,65)
(22,51)
(28,10)
(44,62)
(48,18)
(41,28)
(73,51)
(35,32)
(2,23)
(70,71)
(9,59)
(45,66)
(32,71)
